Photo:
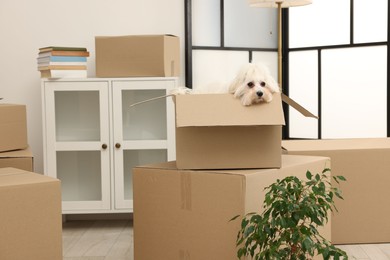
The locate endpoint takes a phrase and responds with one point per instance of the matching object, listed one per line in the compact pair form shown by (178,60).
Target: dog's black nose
(259,93)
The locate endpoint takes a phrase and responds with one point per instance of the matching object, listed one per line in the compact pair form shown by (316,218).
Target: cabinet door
(76,116)
(143,133)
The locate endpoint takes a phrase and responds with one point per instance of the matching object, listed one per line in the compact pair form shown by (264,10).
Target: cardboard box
(214,131)
(13,127)
(137,55)
(30,218)
(184,214)
(363,215)
(21,159)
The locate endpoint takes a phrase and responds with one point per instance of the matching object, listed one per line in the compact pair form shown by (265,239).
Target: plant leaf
(235,217)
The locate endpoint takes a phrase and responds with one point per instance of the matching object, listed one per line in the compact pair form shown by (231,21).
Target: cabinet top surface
(112,79)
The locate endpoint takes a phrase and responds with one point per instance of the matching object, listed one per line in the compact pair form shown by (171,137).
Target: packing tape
(185,185)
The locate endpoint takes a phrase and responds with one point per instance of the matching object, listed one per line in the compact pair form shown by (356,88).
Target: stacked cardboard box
(14,150)
(30,219)
(184,214)
(363,215)
(137,56)
(226,155)
(30,204)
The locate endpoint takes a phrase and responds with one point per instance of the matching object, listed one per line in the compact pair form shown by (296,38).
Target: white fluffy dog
(253,84)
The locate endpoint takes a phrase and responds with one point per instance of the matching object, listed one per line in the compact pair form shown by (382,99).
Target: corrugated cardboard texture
(215,131)
(13,127)
(21,159)
(137,55)
(184,214)
(363,215)
(225,110)
(30,219)
(228,147)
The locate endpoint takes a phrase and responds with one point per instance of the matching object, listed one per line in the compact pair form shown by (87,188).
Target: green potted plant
(287,227)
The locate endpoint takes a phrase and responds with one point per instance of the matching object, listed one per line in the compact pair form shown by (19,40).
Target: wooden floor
(98,240)
(113,240)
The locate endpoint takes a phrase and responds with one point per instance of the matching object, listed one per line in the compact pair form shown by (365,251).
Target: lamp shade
(273,3)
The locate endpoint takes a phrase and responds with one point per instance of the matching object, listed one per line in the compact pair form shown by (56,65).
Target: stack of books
(63,62)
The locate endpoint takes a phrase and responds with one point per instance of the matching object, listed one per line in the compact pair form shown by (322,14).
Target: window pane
(140,123)
(325,22)
(370,21)
(246,26)
(303,88)
(80,179)
(354,92)
(77,115)
(216,66)
(269,59)
(206,23)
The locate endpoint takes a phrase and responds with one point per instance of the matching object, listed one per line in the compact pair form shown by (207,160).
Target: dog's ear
(237,82)
(272,84)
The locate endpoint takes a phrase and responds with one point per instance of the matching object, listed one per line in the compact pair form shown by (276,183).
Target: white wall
(27,25)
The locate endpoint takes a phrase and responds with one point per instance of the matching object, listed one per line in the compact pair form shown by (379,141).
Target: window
(224,35)
(338,69)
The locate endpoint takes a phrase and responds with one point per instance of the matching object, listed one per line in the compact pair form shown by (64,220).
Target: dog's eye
(251,84)
(262,83)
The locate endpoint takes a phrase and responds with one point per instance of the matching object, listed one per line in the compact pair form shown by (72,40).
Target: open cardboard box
(215,131)
(184,214)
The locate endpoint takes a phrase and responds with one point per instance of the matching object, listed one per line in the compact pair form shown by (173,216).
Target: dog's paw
(267,98)
(181,91)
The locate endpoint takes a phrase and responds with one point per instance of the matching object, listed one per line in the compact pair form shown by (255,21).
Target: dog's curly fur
(253,84)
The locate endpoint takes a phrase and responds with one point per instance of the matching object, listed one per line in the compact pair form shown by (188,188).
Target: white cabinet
(93,138)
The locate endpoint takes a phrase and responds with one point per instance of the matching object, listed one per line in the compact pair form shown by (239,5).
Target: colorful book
(64,53)
(60,63)
(61,48)
(63,73)
(62,67)
(62,59)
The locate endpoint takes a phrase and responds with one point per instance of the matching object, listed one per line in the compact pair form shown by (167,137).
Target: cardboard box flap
(171,165)
(289,101)
(225,110)
(10,176)
(287,162)
(25,153)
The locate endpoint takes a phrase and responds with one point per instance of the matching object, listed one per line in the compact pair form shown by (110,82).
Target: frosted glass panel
(269,59)
(80,179)
(77,115)
(206,23)
(246,26)
(325,22)
(140,123)
(216,66)
(303,88)
(133,158)
(370,21)
(354,93)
